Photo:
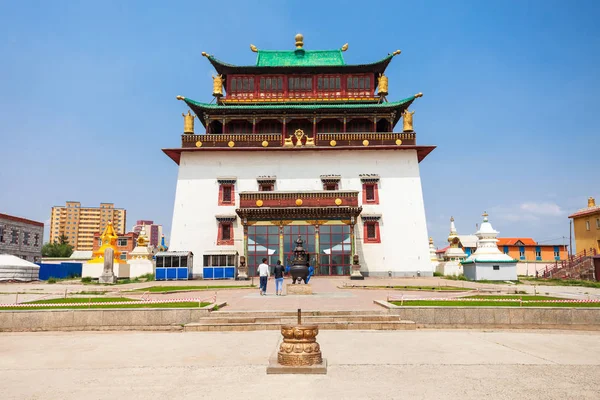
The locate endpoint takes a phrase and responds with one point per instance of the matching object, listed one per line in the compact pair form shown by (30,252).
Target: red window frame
(375,199)
(331,186)
(241,84)
(374,226)
(222,190)
(266,187)
(300,84)
(276,84)
(225,226)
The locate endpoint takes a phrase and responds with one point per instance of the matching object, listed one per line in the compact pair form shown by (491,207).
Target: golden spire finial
(205,54)
(180,98)
(418,95)
(299,40)
(345,47)
(451,219)
(591,202)
(253,48)
(396,52)
(430,240)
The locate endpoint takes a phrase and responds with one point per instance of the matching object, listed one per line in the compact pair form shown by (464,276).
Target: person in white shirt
(263,273)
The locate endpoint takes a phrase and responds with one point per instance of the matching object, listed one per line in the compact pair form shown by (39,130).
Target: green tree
(61,248)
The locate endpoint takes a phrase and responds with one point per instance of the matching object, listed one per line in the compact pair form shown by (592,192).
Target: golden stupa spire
(108,239)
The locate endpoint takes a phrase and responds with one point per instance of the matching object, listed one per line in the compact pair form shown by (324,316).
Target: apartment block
(79,224)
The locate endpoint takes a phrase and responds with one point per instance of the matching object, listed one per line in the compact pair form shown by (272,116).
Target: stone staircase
(272,320)
(578,266)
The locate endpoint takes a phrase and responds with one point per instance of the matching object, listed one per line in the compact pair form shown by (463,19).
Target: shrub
(51,280)
(438,274)
(86,279)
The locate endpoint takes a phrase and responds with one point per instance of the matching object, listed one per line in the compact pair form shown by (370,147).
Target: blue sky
(87,98)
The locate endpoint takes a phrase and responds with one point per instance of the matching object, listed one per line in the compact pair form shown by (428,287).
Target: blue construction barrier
(60,271)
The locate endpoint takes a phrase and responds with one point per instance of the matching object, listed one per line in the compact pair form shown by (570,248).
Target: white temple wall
(404,243)
(485,271)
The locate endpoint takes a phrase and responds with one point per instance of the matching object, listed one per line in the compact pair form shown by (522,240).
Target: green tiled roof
(311,106)
(299,58)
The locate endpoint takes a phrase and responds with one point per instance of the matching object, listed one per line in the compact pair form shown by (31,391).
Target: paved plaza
(426,364)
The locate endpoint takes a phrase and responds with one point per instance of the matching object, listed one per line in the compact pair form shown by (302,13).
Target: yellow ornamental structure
(218,85)
(188,123)
(382,89)
(109,239)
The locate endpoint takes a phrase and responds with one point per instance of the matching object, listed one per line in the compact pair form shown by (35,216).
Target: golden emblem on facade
(338,202)
(298,202)
(398,142)
(332,143)
(407,119)
(365,142)
(218,85)
(299,135)
(382,87)
(265,143)
(231,143)
(188,123)
(198,144)
(259,203)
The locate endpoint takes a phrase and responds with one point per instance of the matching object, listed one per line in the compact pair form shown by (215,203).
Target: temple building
(301,144)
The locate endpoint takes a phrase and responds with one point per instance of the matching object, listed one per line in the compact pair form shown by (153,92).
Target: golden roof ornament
(591,202)
(142,240)
(253,48)
(407,119)
(299,41)
(396,52)
(345,47)
(218,86)
(188,123)
(382,86)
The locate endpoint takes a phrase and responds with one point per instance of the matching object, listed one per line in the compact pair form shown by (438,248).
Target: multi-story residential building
(153,231)
(126,242)
(21,237)
(586,227)
(79,224)
(302,145)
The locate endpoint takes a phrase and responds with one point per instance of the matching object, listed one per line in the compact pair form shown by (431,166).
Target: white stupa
(488,262)
(432,255)
(140,259)
(453,255)
(13,268)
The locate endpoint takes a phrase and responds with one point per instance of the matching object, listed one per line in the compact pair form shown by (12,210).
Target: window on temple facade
(328,83)
(242,84)
(370,193)
(330,126)
(265,187)
(359,125)
(239,126)
(371,232)
(225,235)
(271,84)
(302,84)
(226,191)
(330,186)
(361,82)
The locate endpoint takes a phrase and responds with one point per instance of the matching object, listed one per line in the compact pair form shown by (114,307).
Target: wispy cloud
(528,211)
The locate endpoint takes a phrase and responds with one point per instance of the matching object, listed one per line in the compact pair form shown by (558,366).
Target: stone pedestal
(298,289)
(356,275)
(299,353)
(108,278)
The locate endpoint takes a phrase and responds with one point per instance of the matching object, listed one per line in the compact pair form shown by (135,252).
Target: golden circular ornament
(338,202)
(365,142)
(333,143)
(265,143)
(298,202)
(259,203)
(231,143)
(398,142)
(198,144)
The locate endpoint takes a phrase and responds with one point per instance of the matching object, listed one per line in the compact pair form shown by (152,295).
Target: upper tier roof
(299,61)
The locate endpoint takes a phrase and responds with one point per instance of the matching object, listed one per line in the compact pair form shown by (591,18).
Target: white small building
(13,268)
(488,262)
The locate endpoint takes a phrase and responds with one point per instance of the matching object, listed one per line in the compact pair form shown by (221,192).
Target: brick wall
(21,238)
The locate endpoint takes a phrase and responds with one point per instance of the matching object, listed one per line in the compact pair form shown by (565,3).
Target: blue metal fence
(59,271)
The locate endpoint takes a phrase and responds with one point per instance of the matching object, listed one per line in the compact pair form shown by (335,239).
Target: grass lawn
(175,304)
(434,303)
(158,289)
(560,282)
(514,296)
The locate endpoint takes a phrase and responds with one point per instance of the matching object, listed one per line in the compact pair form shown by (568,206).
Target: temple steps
(272,320)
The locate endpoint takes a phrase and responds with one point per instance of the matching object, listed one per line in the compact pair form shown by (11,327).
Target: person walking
(278,273)
(263,273)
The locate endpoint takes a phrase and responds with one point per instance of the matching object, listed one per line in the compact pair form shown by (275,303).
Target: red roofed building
(527,249)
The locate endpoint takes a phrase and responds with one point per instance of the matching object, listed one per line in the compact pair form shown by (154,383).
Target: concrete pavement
(426,364)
